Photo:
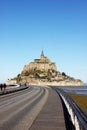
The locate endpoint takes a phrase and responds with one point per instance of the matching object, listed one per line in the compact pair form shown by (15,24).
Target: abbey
(43,64)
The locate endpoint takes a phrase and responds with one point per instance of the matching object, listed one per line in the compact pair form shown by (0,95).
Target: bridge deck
(51,117)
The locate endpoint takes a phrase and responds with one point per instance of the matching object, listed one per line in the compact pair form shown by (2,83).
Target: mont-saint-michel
(44,72)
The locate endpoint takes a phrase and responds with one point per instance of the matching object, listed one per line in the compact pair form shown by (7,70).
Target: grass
(81,101)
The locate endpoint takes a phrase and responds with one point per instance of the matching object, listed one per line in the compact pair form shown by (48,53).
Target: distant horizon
(58,27)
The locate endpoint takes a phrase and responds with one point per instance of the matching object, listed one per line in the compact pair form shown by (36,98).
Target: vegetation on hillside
(63,74)
(18,78)
(36,73)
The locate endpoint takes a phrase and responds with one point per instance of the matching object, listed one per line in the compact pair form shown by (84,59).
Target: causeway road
(34,108)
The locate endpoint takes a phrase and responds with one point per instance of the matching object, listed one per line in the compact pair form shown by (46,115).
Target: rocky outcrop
(44,72)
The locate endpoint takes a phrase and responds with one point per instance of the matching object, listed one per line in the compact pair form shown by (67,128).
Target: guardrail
(19,88)
(78,117)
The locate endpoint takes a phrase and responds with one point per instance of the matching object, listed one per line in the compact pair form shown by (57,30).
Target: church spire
(42,54)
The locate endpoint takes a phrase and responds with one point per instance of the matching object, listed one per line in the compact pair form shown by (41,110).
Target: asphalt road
(18,110)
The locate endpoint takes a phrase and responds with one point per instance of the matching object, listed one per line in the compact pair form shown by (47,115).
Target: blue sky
(57,26)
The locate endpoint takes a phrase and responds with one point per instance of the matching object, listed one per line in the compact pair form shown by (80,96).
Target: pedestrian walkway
(51,117)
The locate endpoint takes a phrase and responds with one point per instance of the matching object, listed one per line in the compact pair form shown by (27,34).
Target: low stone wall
(61,83)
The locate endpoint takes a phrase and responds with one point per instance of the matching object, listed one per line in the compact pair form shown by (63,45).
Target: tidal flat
(81,100)
(79,95)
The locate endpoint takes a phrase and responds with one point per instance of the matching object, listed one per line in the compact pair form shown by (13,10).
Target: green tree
(18,79)
(63,74)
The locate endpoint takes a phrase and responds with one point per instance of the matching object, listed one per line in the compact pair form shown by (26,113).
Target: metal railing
(78,117)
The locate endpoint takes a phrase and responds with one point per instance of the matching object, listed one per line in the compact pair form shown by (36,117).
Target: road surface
(18,110)
(34,108)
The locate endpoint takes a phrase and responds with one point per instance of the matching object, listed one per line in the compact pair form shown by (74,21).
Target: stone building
(43,64)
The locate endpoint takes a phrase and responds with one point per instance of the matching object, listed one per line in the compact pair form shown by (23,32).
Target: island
(44,72)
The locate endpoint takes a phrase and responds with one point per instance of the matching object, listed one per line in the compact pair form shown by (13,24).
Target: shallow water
(76,90)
